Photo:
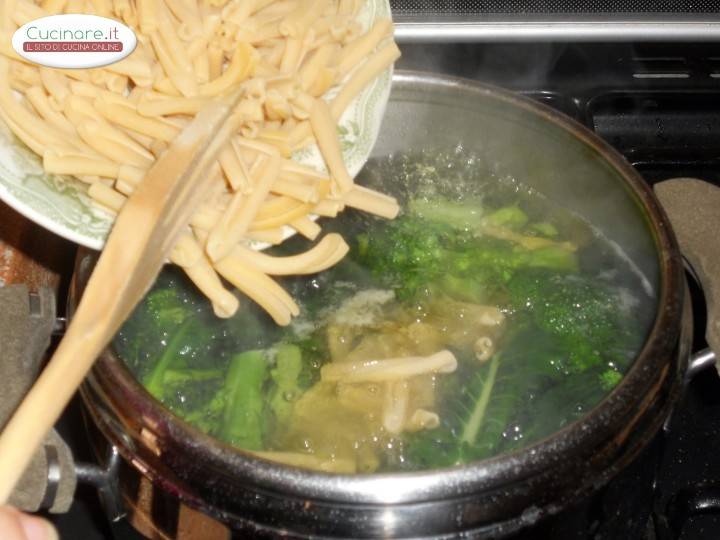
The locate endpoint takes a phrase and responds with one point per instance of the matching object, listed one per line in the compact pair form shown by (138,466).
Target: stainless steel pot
(495,497)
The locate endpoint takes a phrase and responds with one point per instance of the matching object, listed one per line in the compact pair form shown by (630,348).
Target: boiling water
(541,315)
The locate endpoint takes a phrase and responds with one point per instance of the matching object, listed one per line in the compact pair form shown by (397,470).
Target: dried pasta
(107,126)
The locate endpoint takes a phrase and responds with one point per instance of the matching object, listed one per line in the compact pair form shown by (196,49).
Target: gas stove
(659,105)
(656,103)
(645,76)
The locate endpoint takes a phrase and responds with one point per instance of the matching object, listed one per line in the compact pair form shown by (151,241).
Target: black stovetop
(659,105)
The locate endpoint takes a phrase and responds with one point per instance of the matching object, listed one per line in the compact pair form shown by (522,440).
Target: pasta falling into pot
(107,126)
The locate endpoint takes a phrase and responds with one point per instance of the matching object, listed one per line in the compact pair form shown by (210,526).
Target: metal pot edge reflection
(187,456)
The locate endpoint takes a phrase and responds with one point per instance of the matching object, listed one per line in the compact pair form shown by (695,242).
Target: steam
(512,66)
(634,268)
(512,144)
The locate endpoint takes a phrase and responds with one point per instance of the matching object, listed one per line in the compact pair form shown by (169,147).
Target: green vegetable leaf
(478,422)
(242,423)
(153,381)
(509,216)
(545,229)
(474,423)
(167,308)
(580,311)
(285,376)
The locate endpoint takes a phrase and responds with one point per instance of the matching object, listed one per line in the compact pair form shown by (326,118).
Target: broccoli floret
(609,379)
(167,308)
(416,256)
(407,256)
(581,312)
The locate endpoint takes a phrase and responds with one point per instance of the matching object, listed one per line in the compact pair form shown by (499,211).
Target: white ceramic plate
(60,203)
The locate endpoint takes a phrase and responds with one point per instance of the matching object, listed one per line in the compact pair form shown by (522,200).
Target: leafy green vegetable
(183,376)
(407,257)
(580,311)
(609,379)
(167,308)
(472,426)
(478,419)
(209,415)
(566,401)
(465,215)
(522,371)
(545,229)
(242,423)
(145,335)
(563,346)
(153,381)
(285,375)
(437,247)
(508,216)
(188,341)
(314,351)
(552,258)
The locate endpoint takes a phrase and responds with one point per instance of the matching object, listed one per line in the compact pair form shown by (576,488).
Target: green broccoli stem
(182,376)
(209,415)
(153,381)
(475,422)
(243,415)
(456,214)
(285,376)
(508,216)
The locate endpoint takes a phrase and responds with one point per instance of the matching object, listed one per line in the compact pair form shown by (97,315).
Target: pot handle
(692,207)
(106,480)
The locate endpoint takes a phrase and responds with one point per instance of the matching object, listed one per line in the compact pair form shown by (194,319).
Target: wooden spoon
(138,245)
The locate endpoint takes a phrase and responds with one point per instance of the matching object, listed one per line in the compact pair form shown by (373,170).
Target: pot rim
(405,487)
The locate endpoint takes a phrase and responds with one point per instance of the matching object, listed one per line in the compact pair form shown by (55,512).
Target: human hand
(14,525)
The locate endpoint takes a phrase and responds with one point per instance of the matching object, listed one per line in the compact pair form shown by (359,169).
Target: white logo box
(74,41)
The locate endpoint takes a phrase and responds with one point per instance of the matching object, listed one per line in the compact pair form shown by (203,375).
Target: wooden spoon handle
(143,234)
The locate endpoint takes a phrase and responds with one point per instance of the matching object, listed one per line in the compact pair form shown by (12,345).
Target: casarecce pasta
(107,126)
